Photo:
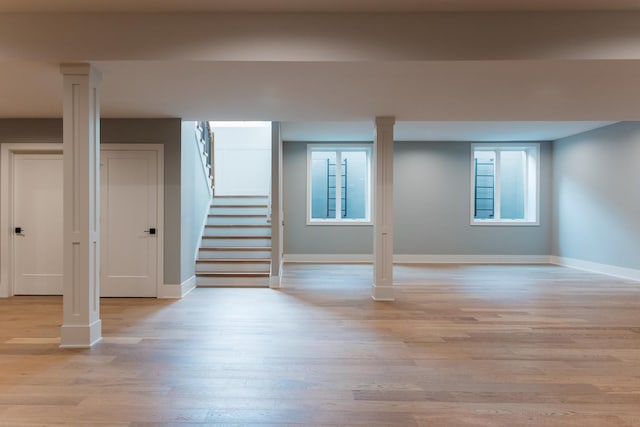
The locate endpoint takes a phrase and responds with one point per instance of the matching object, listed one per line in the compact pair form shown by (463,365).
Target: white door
(129,224)
(37,224)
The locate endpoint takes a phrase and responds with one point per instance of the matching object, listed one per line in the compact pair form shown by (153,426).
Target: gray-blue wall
(432,205)
(300,238)
(597,196)
(431,208)
(432,197)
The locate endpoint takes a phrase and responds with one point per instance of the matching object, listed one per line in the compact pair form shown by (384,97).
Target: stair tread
(244,214)
(240,197)
(238,206)
(237,248)
(230,215)
(237,237)
(233,260)
(238,226)
(231,274)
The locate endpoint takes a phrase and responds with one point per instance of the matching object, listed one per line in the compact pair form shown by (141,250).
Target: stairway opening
(235,247)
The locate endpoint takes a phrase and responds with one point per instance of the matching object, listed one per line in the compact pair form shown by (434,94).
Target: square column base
(275,282)
(80,336)
(382,293)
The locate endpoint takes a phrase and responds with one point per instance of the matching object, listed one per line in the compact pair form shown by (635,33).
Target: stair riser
(238,211)
(237,220)
(244,267)
(217,201)
(232,281)
(232,231)
(222,242)
(204,254)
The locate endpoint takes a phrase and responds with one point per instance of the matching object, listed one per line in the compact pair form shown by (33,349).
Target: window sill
(500,222)
(338,223)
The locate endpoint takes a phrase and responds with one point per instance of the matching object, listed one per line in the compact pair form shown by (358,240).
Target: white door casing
(37,212)
(129,224)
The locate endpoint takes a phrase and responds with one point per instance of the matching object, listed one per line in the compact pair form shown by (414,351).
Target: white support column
(81,325)
(383,216)
(276,207)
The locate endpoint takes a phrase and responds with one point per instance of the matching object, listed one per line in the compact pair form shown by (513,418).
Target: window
(504,184)
(339,184)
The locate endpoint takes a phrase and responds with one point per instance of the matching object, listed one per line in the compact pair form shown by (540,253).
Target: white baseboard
(177,291)
(594,267)
(471,259)
(418,259)
(4,291)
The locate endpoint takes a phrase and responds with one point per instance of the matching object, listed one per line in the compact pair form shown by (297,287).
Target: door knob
(19,230)
(150,231)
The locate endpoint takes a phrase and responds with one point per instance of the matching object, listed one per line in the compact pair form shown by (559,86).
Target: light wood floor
(462,346)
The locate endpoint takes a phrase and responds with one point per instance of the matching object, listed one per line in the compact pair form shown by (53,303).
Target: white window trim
(533,159)
(368,149)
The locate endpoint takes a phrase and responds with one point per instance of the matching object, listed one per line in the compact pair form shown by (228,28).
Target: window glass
(504,183)
(339,183)
(512,184)
(323,184)
(355,182)
(484,185)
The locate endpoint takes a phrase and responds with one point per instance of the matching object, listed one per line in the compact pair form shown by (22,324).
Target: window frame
(532,213)
(367,148)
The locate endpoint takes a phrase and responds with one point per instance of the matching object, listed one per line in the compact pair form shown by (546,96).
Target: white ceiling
(437,131)
(563,81)
(340,91)
(147,6)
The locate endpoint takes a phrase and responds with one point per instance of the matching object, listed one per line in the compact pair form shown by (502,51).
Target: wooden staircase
(236,243)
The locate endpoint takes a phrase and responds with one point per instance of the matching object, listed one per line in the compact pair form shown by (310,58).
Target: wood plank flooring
(461,346)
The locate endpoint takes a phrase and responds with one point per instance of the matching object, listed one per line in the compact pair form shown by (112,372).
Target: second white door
(129,230)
